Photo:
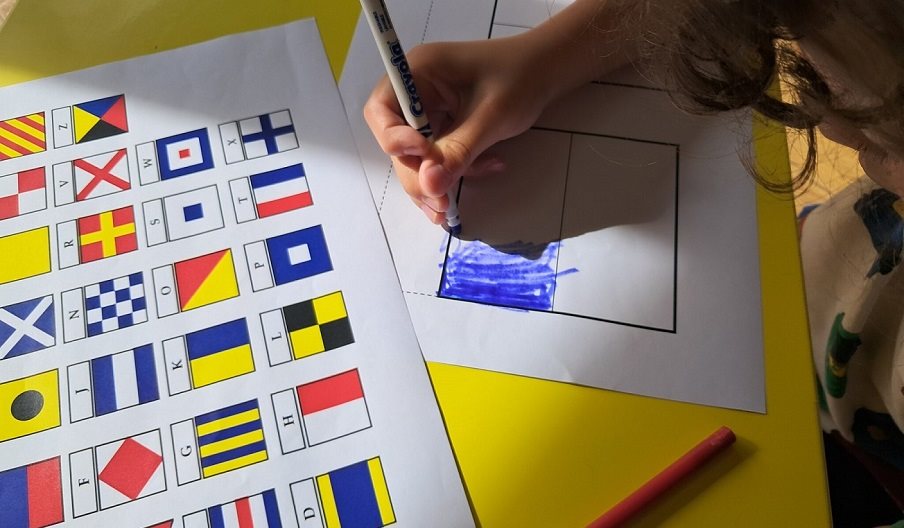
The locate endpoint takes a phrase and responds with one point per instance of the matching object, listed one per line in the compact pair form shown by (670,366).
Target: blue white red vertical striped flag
(256,511)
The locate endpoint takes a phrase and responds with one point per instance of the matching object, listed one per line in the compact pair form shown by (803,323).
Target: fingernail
(496,166)
(440,177)
(431,214)
(434,203)
(411,151)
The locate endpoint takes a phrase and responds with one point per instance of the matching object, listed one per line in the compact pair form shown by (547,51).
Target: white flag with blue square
(298,255)
(184,154)
(192,213)
(26,327)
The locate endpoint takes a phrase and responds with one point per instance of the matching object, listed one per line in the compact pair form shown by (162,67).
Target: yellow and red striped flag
(21,136)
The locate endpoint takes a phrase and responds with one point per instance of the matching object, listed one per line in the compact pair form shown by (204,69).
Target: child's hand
(476,94)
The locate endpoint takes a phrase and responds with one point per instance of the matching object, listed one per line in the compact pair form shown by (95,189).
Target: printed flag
(268,134)
(21,136)
(318,325)
(29,405)
(113,382)
(307,328)
(22,193)
(193,212)
(356,496)
(182,215)
(219,353)
(333,407)
(230,438)
(130,469)
(107,234)
(184,154)
(205,280)
(31,496)
(256,511)
(101,175)
(298,255)
(258,136)
(114,304)
(280,190)
(100,118)
(24,255)
(26,327)
(124,380)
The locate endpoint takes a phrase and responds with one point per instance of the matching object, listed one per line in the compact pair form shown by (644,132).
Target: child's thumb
(457,150)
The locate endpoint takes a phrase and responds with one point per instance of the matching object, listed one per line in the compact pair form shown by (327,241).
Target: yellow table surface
(532,452)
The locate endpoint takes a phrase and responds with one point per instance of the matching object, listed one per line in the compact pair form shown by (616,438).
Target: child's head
(843,59)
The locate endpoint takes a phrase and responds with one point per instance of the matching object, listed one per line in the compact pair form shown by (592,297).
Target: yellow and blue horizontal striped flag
(230,438)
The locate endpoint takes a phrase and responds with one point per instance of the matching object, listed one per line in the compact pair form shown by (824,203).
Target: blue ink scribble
(518,275)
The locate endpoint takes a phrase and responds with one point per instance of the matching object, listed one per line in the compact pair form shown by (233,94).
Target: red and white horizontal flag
(280,190)
(333,407)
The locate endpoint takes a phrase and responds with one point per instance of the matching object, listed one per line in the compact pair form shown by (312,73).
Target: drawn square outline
(674,294)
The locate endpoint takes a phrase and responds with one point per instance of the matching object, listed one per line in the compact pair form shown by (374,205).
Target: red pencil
(665,480)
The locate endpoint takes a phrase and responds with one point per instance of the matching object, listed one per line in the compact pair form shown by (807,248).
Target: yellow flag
(29,405)
(24,254)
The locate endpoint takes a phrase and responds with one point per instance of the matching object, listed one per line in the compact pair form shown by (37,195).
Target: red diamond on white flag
(130,469)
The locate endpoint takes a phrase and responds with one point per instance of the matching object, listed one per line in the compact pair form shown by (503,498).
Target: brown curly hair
(719,55)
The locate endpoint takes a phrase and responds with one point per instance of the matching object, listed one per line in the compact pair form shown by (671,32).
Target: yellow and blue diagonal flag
(230,438)
(356,496)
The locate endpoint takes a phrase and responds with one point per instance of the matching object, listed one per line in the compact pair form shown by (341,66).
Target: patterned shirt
(852,249)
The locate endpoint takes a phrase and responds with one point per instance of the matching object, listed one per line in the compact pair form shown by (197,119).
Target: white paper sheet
(618,250)
(288,362)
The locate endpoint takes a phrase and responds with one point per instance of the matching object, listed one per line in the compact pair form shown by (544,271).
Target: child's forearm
(582,43)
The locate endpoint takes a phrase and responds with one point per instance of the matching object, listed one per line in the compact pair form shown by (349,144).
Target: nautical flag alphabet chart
(200,323)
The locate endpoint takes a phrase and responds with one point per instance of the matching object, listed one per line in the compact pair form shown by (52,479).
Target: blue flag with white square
(298,255)
(183,154)
(26,327)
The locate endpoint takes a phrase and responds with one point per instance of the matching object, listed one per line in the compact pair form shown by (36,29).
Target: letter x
(100,175)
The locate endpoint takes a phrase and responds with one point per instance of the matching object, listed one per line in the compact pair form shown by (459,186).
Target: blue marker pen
(403,84)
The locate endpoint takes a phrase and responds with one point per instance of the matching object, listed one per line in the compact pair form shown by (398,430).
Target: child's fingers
(432,215)
(402,140)
(406,168)
(384,117)
(458,150)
